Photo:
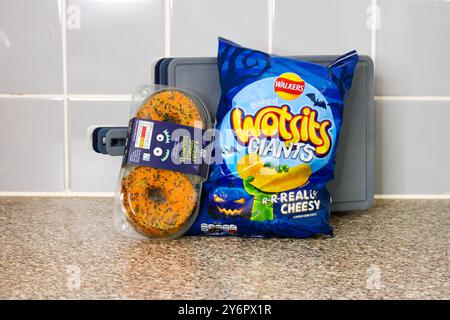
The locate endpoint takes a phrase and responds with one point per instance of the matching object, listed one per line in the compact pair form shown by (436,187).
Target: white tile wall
(32,156)
(112,47)
(109,47)
(413,46)
(196,24)
(320,27)
(412,147)
(30,47)
(90,171)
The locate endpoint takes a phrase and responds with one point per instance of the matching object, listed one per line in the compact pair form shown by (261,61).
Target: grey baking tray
(352,187)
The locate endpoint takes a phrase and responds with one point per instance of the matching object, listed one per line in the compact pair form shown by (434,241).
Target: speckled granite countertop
(67,248)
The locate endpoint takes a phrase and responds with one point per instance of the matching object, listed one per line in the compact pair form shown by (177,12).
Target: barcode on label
(144,134)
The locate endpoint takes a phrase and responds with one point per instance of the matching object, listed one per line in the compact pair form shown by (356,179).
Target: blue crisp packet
(278,126)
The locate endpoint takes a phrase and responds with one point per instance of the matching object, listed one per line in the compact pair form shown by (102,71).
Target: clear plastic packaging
(152,202)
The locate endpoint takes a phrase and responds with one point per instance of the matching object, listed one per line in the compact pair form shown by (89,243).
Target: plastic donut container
(154,202)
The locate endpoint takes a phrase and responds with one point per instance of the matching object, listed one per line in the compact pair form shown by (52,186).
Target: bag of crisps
(278,125)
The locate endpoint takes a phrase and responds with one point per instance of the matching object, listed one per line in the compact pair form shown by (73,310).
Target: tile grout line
(111,194)
(373,33)
(31,96)
(412,98)
(270,16)
(99,97)
(387,196)
(125,97)
(57,194)
(65,99)
(168,4)
(69,96)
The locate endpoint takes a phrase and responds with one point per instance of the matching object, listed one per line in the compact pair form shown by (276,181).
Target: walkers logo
(289,86)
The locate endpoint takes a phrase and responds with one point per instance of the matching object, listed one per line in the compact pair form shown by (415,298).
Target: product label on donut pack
(168,146)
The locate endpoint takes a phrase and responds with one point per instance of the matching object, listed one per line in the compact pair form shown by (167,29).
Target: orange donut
(171,106)
(158,202)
